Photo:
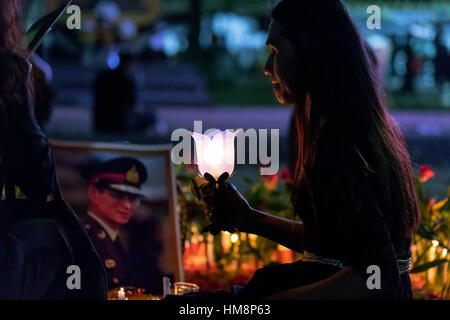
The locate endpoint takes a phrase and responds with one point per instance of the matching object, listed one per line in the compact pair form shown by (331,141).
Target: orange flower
(417,283)
(425,173)
(431,202)
(270,182)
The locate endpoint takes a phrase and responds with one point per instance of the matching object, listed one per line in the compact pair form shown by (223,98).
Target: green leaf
(427,232)
(427,265)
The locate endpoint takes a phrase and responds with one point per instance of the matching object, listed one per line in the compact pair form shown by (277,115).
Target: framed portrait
(125,195)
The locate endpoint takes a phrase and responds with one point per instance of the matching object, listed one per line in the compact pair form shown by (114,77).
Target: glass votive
(180,288)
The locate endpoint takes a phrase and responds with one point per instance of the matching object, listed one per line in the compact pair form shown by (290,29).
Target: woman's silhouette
(354,188)
(40,236)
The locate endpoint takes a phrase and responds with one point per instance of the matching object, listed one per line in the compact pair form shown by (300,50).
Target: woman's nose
(268,68)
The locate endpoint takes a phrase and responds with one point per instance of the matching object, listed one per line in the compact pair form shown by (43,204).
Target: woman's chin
(282,98)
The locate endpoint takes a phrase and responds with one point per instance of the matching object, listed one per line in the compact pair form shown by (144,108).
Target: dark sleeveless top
(345,221)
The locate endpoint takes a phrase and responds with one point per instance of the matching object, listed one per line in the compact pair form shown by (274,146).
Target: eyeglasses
(124,196)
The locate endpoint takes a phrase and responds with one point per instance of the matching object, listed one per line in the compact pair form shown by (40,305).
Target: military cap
(123,174)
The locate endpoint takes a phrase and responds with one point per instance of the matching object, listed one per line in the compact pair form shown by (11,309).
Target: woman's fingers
(202,188)
(221,201)
(195,190)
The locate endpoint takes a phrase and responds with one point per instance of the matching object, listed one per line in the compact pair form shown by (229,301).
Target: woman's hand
(227,209)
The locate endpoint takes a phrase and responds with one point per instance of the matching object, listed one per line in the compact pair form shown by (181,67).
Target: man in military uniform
(114,193)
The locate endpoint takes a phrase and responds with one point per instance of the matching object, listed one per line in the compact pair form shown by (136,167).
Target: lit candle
(432,256)
(210,250)
(226,241)
(121,294)
(444,255)
(215,152)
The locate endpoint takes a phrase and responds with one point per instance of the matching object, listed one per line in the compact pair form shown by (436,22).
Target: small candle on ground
(121,294)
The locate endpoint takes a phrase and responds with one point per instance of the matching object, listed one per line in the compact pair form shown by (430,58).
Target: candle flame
(215,152)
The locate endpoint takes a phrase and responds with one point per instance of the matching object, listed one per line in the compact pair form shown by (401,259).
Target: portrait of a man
(114,194)
(123,195)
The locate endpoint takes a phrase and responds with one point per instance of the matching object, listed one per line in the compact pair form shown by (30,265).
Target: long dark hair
(337,80)
(14,69)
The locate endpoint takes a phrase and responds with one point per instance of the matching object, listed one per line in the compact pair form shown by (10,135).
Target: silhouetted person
(40,235)
(441,60)
(115,96)
(116,100)
(410,67)
(353,186)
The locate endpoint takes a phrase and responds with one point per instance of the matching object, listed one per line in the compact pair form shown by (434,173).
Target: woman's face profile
(281,64)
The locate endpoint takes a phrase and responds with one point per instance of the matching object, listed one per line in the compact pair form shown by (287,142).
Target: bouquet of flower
(430,272)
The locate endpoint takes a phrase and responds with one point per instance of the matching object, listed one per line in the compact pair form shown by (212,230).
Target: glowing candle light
(226,241)
(215,152)
(121,294)
(445,267)
(432,256)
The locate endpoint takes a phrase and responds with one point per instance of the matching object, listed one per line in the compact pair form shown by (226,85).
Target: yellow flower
(440,204)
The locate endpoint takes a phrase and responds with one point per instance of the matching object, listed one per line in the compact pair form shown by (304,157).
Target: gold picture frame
(73,151)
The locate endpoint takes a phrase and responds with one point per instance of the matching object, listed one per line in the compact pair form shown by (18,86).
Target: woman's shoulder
(38,235)
(37,256)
